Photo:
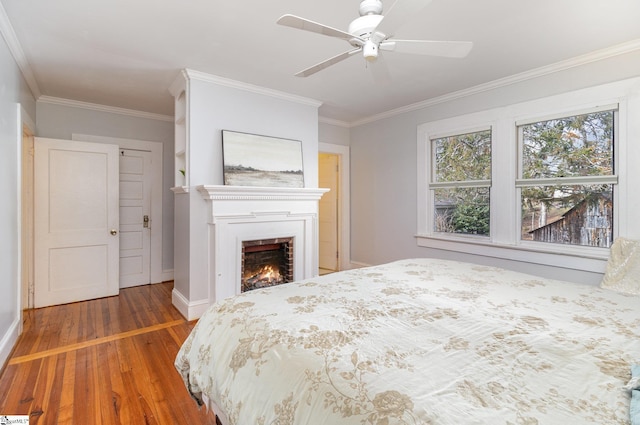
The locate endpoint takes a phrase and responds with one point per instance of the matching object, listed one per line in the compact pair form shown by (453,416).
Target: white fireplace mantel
(245,213)
(253,193)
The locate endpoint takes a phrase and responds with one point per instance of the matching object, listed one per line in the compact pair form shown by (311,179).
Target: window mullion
(460,184)
(560,181)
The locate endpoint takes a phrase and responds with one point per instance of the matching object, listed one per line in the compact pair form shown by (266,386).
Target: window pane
(581,145)
(462,210)
(576,215)
(462,157)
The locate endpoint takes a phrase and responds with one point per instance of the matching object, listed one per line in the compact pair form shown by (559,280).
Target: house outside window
(566,179)
(460,183)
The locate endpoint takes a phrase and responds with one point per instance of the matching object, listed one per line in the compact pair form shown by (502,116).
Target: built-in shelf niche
(181,151)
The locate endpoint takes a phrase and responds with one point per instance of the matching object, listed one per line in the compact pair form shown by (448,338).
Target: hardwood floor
(105,361)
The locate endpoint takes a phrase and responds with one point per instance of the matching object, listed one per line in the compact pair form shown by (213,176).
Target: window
(560,187)
(460,183)
(566,179)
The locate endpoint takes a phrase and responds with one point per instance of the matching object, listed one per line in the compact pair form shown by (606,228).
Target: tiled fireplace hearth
(243,218)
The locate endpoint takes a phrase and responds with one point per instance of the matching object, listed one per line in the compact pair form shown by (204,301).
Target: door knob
(114,232)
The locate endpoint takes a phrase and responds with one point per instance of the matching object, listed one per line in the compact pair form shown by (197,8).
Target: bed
(417,341)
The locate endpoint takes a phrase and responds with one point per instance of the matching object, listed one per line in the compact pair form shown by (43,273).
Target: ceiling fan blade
(307,25)
(397,14)
(447,49)
(327,63)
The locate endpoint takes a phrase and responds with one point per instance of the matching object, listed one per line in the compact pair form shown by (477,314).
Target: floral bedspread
(417,341)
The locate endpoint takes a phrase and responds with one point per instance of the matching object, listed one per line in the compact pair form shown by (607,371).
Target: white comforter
(417,341)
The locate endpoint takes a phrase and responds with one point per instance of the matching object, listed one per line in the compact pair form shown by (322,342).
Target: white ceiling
(126,53)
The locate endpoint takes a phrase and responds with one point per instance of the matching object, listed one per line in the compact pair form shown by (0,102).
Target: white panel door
(135,220)
(75,221)
(328,212)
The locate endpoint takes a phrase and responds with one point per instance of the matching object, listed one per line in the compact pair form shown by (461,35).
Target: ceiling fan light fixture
(370,51)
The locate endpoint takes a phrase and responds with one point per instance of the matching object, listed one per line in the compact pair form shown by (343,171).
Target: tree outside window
(460,183)
(567,179)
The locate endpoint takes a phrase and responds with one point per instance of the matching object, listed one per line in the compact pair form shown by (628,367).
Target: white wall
(215,107)
(383,166)
(61,122)
(14,96)
(217,104)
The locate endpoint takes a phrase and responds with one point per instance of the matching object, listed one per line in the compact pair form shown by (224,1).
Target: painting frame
(258,160)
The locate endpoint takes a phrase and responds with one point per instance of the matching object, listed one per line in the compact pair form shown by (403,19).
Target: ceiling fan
(373,31)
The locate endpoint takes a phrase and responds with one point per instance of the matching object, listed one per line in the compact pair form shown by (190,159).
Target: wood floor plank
(65,409)
(13,382)
(138,381)
(107,361)
(58,389)
(104,376)
(43,390)
(122,410)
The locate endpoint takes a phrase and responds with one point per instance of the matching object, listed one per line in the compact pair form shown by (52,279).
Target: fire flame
(267,273)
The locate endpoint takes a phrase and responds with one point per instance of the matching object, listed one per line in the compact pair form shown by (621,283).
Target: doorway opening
(329,178)
(333,217)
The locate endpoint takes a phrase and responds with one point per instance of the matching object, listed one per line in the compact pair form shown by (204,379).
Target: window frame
(521,183)
(504,241)
(463,184)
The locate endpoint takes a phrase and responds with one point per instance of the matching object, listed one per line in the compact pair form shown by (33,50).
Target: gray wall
(14,94)
(334,134)
(383,166)
(61,122)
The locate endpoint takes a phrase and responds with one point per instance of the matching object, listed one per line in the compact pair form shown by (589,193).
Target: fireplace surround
(238,214)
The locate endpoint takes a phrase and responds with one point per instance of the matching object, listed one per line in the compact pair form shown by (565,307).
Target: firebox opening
(266,262)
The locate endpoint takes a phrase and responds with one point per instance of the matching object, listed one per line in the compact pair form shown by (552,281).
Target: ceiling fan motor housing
(370,7)
(364,25)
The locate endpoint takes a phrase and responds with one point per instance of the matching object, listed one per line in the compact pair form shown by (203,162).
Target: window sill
(568,257)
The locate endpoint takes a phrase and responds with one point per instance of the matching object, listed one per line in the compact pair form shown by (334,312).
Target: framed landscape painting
(254,160)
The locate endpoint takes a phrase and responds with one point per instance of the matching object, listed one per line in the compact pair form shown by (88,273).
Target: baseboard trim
(8,342)
(358,265)
(190,310)
(167,275)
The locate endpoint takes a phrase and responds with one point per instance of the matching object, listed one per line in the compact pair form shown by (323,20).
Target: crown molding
(203,76)
(9,35)
(335,122)
(103,108)
(180,83)
(585,59)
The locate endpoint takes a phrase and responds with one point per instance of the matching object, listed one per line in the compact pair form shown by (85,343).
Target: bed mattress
(418,341)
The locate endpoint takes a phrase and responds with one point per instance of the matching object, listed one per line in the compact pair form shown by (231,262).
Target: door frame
(25,202)
(344,214)
(26,192)
(155,148)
